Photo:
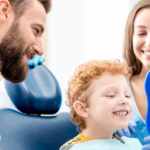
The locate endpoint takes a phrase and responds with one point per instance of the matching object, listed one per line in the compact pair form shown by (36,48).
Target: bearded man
(22,23)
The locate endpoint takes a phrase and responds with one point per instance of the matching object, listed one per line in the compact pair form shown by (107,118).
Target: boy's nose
(122,101)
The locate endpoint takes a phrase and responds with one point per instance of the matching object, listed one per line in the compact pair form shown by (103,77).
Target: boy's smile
(121,113)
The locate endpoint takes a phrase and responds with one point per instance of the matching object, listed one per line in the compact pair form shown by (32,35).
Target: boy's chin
(122,125)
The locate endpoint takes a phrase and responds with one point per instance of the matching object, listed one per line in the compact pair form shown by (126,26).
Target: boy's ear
(5,9)
(80,108)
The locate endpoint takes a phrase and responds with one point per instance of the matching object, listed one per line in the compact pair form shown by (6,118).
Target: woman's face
(141,37)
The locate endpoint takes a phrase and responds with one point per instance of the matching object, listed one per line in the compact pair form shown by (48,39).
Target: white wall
(65,40)
(81,30)
(104,28)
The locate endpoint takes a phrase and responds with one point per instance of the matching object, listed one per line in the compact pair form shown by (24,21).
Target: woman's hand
(127,131)
(147,145)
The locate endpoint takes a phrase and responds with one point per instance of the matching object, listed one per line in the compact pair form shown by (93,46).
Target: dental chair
(37,125)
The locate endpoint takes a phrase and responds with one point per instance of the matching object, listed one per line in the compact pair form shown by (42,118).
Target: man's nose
(38,48)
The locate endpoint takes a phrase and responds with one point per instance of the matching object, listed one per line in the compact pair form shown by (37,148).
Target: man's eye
(36,31)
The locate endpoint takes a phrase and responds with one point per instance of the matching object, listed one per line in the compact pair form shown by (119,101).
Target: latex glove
(146,146)
(127,131)
(37,60)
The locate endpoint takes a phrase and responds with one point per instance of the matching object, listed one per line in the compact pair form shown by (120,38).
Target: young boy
(99,98)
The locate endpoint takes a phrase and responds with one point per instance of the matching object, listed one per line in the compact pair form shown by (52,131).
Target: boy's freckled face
(110,105)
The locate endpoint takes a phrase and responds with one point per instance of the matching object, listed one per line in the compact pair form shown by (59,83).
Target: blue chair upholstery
(26,129)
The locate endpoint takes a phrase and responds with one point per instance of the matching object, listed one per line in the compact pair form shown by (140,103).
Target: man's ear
(80,109)
(5,9)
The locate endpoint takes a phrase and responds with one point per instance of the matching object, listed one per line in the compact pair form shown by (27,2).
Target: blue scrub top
(141,130)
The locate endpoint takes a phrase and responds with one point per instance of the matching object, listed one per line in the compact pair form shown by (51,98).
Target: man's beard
(11,55)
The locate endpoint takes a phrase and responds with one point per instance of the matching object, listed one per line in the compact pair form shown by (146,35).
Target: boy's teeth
(120,113)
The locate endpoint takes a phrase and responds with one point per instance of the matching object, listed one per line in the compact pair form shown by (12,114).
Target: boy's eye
(127,96)
(111,95)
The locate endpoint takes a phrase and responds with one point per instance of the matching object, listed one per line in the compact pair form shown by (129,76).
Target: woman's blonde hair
(82,78)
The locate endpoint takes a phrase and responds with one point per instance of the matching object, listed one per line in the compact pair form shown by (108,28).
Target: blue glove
(37,60)
(127,131)
(146,146)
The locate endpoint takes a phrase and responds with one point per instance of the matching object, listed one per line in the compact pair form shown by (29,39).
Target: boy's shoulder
(78,139)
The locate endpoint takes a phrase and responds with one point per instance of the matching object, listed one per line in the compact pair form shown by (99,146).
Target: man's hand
(127,131)
(37,60)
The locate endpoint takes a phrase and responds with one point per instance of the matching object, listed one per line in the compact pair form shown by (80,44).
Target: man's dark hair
(20,6)
(46,4)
